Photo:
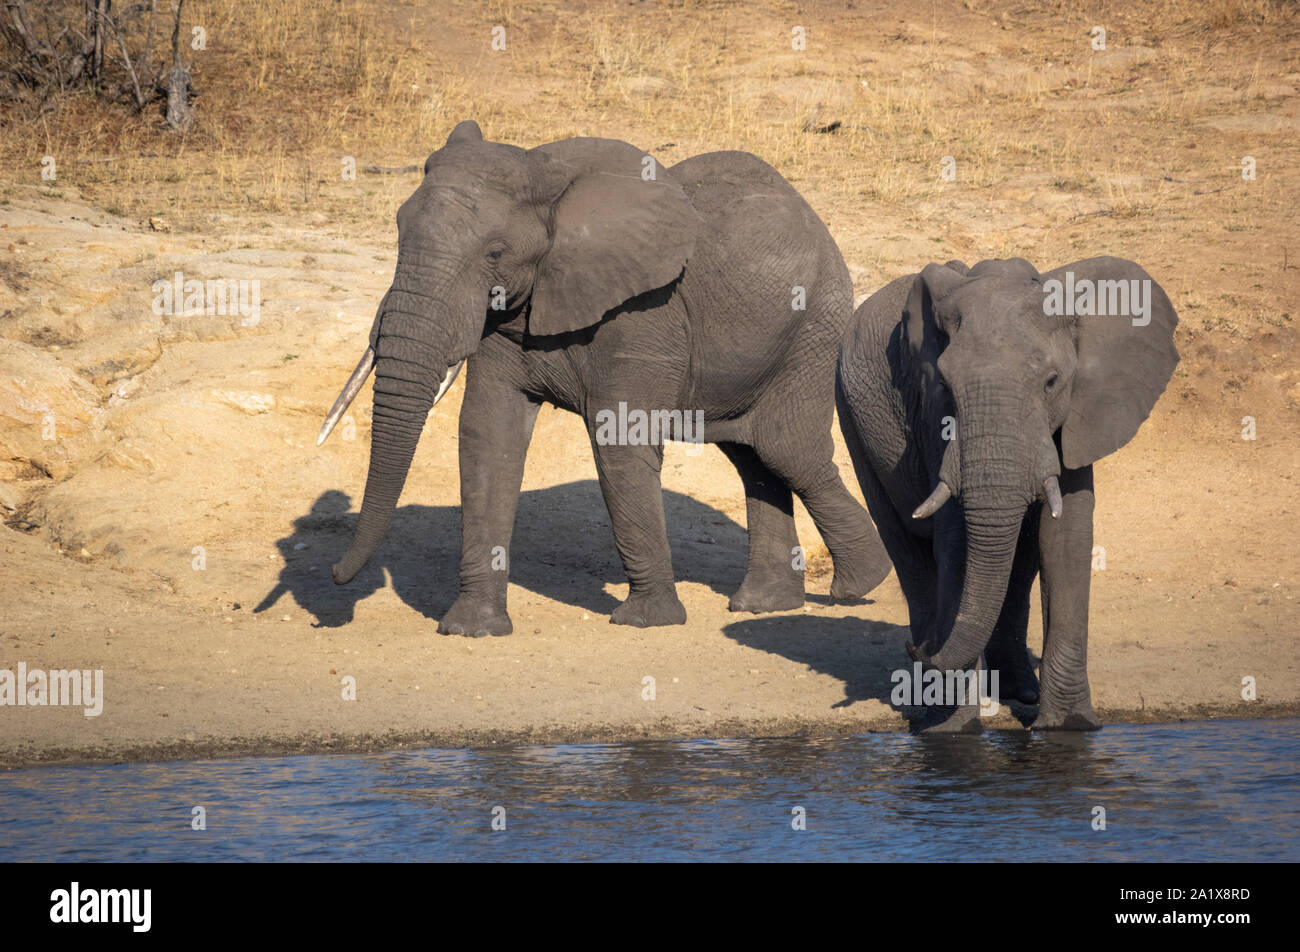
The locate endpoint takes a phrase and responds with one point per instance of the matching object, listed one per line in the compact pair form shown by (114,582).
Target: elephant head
(1030,373)
(567,231)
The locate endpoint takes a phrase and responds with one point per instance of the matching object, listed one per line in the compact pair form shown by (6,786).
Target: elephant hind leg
(861,562)
(774,574)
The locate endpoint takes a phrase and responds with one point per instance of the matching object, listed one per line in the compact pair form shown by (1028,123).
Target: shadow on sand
(563,548)
(858,651)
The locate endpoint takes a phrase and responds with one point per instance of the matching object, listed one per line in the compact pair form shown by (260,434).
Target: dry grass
(1058,149)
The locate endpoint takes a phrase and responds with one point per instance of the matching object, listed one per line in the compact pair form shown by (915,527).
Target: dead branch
(179,114)
(40,55)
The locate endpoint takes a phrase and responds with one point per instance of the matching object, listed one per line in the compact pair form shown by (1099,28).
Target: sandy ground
(177,527)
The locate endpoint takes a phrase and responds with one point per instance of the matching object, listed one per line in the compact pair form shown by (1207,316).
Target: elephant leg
(1007,652)
(861,562)
(948,554)
(496,425)
(772,583)
(629,481)
(1065,547)
(948,546)
(912,556)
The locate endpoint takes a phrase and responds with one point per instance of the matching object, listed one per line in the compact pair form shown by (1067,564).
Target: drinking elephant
(582,274)
(974,403)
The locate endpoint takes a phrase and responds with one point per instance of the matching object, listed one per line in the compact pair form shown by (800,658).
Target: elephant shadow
(859,652)
(563,548)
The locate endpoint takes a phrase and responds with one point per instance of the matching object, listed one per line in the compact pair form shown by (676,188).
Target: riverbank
(169,521)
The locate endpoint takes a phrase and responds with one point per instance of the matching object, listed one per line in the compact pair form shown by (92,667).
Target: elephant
(583,274)
(974,402)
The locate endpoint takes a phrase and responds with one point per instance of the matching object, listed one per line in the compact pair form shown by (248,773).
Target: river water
(1192,791)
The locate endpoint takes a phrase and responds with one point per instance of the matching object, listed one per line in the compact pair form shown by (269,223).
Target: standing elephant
(974,403)
(582,274)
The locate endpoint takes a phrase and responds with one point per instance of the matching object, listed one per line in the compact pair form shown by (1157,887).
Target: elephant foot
(948,720)
(1077,718)
(1016,680)
(757,594)
(474,619)
(856,576)
(650,610)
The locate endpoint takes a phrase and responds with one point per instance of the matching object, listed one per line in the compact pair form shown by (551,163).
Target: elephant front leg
(496,424)
(629,481)
(1065,547)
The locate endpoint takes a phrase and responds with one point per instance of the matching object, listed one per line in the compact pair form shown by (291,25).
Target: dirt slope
(176,525)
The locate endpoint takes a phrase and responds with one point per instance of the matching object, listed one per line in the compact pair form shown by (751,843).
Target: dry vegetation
(288,88)
(1061,150)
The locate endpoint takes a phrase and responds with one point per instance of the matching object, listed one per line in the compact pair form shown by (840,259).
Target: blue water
(1212,790)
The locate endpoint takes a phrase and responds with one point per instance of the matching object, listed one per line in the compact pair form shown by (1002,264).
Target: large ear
(919,322)
(1125,360)
(614,233)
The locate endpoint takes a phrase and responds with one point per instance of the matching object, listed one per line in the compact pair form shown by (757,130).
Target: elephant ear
(919,321)
(1123,367)
(614,234)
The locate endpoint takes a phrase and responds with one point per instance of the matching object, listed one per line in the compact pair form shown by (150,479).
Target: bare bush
(87,44)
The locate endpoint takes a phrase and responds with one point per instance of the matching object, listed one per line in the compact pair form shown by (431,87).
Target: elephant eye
(1051,383)
(495,254)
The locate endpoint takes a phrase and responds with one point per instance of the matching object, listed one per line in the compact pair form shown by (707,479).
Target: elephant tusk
(348,394)
(447,382)
(936,500)
(1053,490)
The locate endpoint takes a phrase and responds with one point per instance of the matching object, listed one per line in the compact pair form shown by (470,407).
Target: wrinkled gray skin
(1036,400)
(667,292)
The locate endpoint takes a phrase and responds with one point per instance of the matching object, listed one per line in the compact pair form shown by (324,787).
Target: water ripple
(1176,792)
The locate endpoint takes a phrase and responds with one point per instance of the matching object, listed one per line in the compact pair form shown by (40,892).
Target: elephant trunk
(991,536)
(999,460)
(400,412)
(411,376)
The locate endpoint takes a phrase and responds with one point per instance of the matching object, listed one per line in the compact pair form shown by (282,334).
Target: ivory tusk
(348,394)
(1053,490)
(935,501)
(447,382)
